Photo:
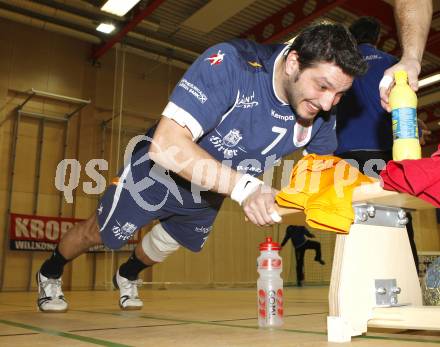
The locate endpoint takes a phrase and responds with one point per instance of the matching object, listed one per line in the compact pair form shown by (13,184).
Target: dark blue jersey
(362,123)
(228,101)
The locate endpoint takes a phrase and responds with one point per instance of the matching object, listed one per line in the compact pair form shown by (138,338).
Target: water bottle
(270,285)
(403,102)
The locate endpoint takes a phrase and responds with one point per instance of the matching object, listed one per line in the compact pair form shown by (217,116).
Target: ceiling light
(429,80)
(105,28)
(119,7)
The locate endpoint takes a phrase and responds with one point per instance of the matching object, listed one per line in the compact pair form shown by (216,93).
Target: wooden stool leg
(368,253)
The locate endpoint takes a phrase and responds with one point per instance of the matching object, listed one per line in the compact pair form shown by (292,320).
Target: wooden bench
(374,280)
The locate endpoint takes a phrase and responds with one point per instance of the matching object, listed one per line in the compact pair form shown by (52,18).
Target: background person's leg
(315,245)
(299,252)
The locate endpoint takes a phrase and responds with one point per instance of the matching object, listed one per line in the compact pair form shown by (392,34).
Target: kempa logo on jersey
(227,143)
(203,230)
(194,90)
(216,59)
(247,101)
(276,115)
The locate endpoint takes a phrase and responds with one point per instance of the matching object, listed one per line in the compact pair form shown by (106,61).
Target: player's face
(317,88)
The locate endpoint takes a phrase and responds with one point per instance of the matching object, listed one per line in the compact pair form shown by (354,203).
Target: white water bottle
(270,285)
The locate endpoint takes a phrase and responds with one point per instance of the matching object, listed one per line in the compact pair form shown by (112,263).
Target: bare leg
(75,242)
(299,253)
(80,238)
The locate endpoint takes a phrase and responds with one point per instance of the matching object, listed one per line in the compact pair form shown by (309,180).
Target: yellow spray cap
(400,76)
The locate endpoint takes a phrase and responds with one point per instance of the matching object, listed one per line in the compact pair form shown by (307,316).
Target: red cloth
(420,177)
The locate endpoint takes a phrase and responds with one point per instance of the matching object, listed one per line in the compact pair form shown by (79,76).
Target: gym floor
(178,317)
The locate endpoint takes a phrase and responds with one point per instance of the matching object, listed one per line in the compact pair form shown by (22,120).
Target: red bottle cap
(268,245)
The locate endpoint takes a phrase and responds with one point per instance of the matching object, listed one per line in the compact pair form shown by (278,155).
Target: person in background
(297,234)
(363,127)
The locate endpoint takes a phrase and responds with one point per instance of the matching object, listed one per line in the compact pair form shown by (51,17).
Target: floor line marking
(23,334)
(63,334)
(274,329)
(131,327)
(287,315)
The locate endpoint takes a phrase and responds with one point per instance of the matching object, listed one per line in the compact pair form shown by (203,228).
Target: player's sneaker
(128,292)
(50,295)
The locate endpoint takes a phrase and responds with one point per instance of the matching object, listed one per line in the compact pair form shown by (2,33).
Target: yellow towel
(309,176)
(328,203)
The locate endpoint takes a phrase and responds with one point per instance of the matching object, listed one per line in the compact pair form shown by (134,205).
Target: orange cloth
(323,186)
(309,176)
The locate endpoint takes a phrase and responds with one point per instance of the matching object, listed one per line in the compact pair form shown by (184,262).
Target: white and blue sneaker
(50,295)
(128,292)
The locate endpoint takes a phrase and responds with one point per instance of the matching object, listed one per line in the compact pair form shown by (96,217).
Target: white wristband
(245,186)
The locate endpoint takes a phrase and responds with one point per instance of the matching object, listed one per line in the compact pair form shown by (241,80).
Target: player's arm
(207,91)
(309,234)
(413,21)
(287,236)
(173,148)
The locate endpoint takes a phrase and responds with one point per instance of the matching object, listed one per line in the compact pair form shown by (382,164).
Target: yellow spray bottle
(403,102)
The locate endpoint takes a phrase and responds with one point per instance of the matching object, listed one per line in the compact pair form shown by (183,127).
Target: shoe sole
(130,308)
(52,311)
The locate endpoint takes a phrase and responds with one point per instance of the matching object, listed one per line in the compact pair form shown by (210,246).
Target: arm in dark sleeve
(308,233)
(287,236)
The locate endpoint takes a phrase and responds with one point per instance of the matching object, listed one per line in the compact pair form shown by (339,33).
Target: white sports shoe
(128,297)
(50,295)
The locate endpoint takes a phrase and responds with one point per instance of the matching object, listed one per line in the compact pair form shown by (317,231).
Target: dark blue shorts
(146,192)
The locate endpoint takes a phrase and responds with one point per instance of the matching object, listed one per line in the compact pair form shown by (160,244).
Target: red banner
(38,233)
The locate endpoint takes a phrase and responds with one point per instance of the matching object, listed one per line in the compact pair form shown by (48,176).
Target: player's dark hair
(365,30)
(328,42)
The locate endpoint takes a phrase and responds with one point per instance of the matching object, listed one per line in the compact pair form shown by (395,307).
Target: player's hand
(412,68)
(425,132)
(259,206)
